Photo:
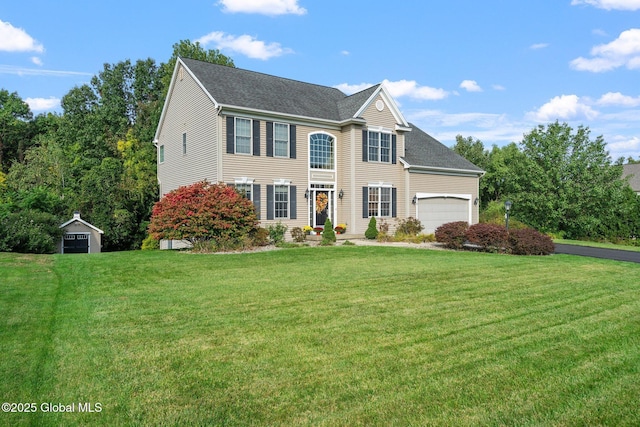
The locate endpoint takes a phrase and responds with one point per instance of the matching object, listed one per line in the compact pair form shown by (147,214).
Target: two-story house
(304,152)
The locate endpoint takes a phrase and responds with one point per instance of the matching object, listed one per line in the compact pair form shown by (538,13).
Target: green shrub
(150,244)
(348,243)
(277,232)
(29,231)
(372,229)
(328,235)
(409,227)
(452,234)
(298,235)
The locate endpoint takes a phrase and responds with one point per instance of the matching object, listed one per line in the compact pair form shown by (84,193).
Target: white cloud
(623,146)
(470,86)
(610,4)
(565,107)
(498,87)
(36,60)
(539,46)
(244,44)
(618,99)
(399,89)
(345,53)
(264,7)
(624,51)
(351,89)
(411,89)
(20,71)
(42,104)
(14,39)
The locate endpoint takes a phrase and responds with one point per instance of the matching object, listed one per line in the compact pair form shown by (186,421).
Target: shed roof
(76,218)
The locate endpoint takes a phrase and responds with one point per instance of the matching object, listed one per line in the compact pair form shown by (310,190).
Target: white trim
(388,99)
(235,135)
(76,217)
(281,181)
(243,180)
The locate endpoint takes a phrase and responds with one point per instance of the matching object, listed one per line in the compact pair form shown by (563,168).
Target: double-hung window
(379,147)
(161,154)
(379,201)
(281,140)
(243,136)
(281,198)
(246,190)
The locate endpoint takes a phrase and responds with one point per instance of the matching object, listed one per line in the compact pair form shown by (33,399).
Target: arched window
(321,147)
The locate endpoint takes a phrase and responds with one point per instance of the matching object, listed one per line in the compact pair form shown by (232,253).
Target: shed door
(76,244)
(435,211)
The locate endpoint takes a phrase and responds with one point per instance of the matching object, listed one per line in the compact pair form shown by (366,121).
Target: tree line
(96,157)
(560,181)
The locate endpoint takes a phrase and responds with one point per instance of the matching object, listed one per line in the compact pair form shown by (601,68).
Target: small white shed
(80,237)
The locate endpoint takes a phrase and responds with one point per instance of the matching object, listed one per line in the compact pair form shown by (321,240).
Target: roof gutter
(440,170)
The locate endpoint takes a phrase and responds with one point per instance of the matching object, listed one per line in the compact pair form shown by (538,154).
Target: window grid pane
(374,201)
(385,202)
(281,201)
(245,189)
(321,152)
(281,140)
(385,147)
(374,146)
(243,136)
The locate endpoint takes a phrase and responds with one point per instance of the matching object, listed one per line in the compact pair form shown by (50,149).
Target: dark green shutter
(293,205)
(394,202)
(256,137)
(365,146)
(365,202)
(292,141)
(394,149)
(269,139)
(231,137)
(270,202)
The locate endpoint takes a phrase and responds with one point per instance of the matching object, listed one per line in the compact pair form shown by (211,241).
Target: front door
(322,206)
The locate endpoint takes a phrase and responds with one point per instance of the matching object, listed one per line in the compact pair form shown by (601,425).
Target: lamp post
(507,208)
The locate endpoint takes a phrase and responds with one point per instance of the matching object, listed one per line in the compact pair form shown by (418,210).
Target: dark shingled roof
(249,89)
(421,149)
(633,171)
(235,87)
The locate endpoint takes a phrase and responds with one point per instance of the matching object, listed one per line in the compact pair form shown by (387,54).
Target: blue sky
(491,69)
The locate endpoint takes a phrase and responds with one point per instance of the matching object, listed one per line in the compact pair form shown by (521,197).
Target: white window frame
(378,191)
(235,135)
(379,149)
(279,184)
(161,154)
(244,184)
(332,151)
(283,142)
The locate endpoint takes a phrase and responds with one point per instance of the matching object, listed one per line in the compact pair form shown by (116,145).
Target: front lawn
(320,336)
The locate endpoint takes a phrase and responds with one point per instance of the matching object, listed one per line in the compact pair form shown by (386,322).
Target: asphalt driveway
(613,254)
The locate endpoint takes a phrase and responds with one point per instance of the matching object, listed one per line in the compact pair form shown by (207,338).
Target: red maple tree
(202,212)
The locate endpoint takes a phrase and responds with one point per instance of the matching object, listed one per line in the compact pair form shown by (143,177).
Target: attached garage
(433,210)
(80,237)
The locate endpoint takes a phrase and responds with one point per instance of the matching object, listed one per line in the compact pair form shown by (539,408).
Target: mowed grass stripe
(345,336)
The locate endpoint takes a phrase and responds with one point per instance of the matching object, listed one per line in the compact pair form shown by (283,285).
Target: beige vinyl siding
(192,112)
(382,118)
(444,184)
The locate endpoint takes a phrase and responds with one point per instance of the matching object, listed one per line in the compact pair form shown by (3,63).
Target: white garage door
(435,211)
